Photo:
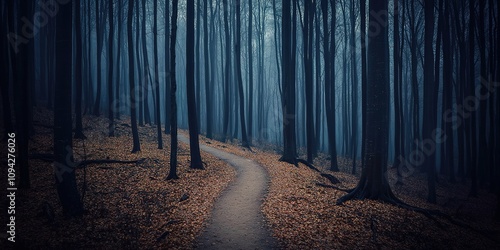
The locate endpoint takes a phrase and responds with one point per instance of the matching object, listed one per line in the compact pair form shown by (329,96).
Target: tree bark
(64,169)
(133,115)
(196,162)
(173,105)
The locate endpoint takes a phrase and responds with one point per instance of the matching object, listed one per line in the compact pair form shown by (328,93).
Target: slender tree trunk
(78,74)
(173,105)
(197,62)
(111,126)
(471,130)
(329,52)
(250,71)
(157,77)
(398,116)
(227,71)
(244,138)
(430,98)
(117,104)
(354,78)
(196,162)
(99,36)
(208,84)
(168,75)
(133,115)
(146,74)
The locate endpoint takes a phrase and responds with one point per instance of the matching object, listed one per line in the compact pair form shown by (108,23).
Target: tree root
(85,163)
(333,187)
(390,198)
(329,177)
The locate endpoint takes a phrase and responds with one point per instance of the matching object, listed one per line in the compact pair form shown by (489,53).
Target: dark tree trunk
(398,114)
(288,84)
(317,59)
(227,71)
(471,130)
(99,29)
(168,76)
(354,78)
(363,69)
(250,71)
(111,126)
(117,104)
(157,77)
(197,62)
(133,115)
(482,122)
(146,74)
(448,93)
(63,152)
(140,77)
(196,162)
(244,138)
(208,84)
(308,70)
(78,74)
(373,183)
(329,52)
(430,99)
(173,102)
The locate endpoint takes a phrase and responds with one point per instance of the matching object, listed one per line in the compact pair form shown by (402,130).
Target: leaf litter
(126,205)
(303,215)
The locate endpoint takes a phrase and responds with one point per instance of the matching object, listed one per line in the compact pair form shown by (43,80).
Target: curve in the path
(237,221)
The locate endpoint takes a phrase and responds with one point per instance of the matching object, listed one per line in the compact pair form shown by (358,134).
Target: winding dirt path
(237,221)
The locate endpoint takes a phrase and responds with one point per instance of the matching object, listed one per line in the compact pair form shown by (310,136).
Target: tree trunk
(354,78)
(146,74)
(227,71)
(373,183)
(288,73)
(157,77)
(191,97)
(168,75)
(63,152)
(329,52)
(244,138)
(173,105)
(208,84)
(250,71)
(133,115)
(430,100)
(111,126)
(308,71)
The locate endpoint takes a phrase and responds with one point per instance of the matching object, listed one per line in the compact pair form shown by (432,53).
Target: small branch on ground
(85,163)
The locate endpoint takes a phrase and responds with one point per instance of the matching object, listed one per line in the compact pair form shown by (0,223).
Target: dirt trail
(237,221)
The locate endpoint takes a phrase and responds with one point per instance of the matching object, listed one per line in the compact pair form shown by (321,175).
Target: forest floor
(304,215)
(133,206)
(127,206)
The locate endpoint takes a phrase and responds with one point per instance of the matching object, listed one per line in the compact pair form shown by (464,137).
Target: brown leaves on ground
(303,215)
(127,205)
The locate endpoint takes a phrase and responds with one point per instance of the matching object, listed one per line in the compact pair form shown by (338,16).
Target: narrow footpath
(237,221)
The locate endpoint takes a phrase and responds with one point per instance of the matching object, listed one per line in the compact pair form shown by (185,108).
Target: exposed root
(390,198)
(85,163)
(333,187)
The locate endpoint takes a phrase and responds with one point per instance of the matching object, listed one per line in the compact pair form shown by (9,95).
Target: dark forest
(250,124)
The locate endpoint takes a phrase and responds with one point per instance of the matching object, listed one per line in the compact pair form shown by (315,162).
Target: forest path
(237,221)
